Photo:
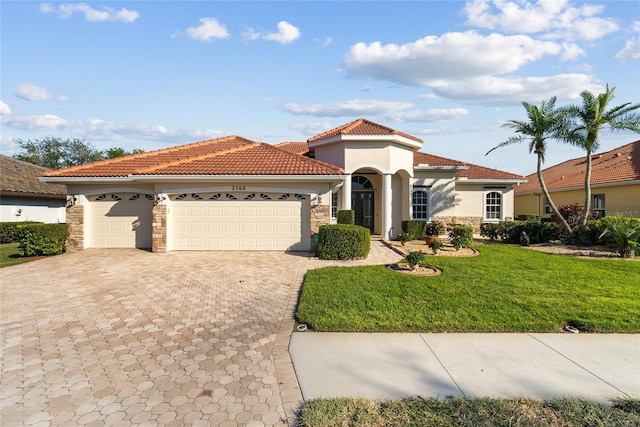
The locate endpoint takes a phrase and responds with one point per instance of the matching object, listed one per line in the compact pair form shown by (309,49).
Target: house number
(238,188)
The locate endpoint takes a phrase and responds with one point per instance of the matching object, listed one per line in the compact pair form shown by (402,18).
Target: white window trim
(426,190)
(484,206)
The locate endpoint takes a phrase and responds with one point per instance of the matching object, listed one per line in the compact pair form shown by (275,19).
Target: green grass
(504,289)
(10,255)
(467,412)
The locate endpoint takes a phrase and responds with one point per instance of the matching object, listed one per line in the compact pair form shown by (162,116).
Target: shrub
(343,241)
(461,235)
(492,230)
(572,214)
(528,217)
(42,239)
(623,233)
(404,237)
(414,257)
(346,216)
(9,231)
(417,229)
(435,228)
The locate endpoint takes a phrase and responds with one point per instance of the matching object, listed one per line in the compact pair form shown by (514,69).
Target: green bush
(42,239)
(343,241)
(461,235)
(621,232)
(346,216)
(416,229)
(528,217)
(510,231)
(9,231)
(435,228)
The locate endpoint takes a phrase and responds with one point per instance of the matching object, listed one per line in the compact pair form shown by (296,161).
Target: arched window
(420,203)
(360,183)
(493,206)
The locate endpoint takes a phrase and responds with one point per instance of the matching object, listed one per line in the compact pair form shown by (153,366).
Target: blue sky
(157,74)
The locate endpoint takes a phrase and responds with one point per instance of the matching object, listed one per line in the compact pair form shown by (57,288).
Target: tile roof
(231,155)
(361,127)
(473,171)
(294,147)
(618,165)
(18,178)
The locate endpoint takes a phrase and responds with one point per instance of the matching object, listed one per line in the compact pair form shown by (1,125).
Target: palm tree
(588,120)
(544,122)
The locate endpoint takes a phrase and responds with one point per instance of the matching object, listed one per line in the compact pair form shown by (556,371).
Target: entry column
(346,193)
(386,206)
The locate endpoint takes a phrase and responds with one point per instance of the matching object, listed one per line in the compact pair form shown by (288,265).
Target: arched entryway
(363,201)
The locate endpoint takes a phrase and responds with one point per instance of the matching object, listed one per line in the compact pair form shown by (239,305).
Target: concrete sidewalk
(596,367)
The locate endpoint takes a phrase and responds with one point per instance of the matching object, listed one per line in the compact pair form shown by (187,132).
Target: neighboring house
(24,198)
(235,194)
(615,184)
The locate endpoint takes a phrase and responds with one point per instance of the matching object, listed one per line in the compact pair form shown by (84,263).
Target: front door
(362,204)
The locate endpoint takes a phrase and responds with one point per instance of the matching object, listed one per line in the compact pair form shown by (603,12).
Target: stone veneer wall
(159,229)
(320,215)
(75,225)
(473,221)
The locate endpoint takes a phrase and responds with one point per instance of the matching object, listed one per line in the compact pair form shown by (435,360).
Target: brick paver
(122,337)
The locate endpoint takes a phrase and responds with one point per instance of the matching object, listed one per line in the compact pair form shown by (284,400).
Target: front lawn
(504,289)
(10,255)
(468,412)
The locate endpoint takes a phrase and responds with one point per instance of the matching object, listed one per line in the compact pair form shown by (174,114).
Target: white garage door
(240,222)
(120,220)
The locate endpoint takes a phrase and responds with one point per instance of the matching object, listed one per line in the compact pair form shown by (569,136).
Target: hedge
(416,229)
(343,241)
(346,216)
(510,231)
(42,239)
(9,230)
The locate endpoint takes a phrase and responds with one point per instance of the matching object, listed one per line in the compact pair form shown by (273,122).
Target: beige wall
(619,200)
(471,200)
(442,191)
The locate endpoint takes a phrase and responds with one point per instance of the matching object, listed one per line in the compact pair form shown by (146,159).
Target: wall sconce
(71,200)
(158,198)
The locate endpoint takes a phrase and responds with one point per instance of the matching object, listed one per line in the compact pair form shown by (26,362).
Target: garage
(120,220)
(239,221)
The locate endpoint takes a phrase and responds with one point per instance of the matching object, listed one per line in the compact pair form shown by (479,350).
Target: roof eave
(491,181)
(81,179)
(398,139)
(581,187)
(239,178)
(424,167)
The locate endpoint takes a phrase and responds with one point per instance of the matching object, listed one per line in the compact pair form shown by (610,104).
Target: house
(24,198)
(235,194)
(615,184)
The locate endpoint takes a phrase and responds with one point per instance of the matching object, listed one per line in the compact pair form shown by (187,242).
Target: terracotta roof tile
(361,127)
(232,155)
(21,179)
(618,165)
(294,147)
(473,171)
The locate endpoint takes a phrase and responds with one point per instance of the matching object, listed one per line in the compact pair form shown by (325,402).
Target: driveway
(123,337)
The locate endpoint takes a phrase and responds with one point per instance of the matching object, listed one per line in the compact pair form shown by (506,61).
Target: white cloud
(286,33)
(327,42)
(4,109)
(450,56)
(107,14)
(355,107)
(556,19)
(311,129)
(31,92)
(250,34)
(430,115)
(102,130)
(630,51)
(489,90)
(208,29)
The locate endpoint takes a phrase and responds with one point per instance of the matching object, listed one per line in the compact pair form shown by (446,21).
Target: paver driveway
(122,337)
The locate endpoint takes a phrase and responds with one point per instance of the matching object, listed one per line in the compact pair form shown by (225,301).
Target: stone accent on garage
(473,221)
(320,215)
(159,229)
(75,225)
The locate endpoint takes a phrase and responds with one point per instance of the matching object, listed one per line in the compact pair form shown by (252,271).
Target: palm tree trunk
(587,191)
(555,210)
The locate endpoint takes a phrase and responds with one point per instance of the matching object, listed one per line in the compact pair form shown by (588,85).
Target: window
(493,205)
(547,207)
(420,203)
(334,205)
(597,205)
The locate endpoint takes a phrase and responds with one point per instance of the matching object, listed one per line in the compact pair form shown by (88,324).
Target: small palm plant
(624,233)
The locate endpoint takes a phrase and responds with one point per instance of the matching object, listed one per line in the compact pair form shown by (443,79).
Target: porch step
(376,237)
